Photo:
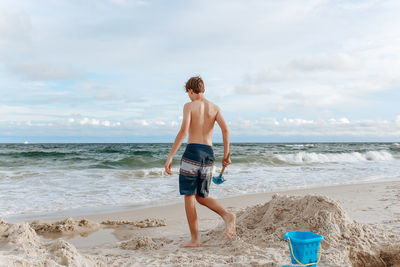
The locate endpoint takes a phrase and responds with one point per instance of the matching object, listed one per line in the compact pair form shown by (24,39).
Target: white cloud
(93,122)
(266,127)
(119,2)
(84,121)
(297,121)
(40,71)
(127,3)
(321,62)
(358,5)
(160,123)
(142,122)
(397,120)
(14,27)
(339,121)
(252,89)
(303,127)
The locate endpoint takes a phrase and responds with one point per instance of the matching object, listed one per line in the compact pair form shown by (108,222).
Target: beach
(360,224)
(117,115)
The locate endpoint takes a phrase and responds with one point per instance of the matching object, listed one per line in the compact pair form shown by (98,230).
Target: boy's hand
(167,166)
(226,161)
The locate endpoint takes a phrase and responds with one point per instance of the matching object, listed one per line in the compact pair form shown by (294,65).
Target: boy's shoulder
(194,103)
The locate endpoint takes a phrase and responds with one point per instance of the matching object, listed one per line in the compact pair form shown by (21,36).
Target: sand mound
(2,223)
(144,243)
(142,224)
(68,225)
(21,246)
(66,254)
(345,240)
(20,236)
(289,213)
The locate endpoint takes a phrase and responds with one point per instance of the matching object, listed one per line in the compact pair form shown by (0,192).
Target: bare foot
(191,244)
(230,225)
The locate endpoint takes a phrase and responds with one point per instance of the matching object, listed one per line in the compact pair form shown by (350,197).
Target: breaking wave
(310,157)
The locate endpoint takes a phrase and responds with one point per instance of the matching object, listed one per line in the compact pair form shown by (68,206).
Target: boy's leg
(229,218)
(191,216)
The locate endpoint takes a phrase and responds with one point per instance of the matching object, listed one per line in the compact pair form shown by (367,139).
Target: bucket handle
(319,254)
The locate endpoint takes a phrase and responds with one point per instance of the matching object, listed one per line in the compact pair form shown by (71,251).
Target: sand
(68,227)
(360,224)
(142,223)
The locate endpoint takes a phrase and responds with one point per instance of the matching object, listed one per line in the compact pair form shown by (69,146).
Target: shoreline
(253,199)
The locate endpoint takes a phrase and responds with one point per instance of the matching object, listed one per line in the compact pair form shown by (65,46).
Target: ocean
(59,179)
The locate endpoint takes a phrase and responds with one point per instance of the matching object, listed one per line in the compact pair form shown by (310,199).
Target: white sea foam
(310,157)
(141,173)
(299,146)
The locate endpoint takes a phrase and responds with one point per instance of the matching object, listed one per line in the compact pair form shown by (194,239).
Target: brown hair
(196,84)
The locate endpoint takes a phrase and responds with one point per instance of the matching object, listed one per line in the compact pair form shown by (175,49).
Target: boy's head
(195,84)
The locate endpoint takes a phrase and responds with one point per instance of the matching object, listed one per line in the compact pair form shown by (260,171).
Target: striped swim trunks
(196,170)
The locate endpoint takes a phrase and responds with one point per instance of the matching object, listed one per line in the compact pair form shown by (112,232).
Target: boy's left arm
(179,137)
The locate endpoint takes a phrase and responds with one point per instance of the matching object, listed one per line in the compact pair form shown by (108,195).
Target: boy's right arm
(225,137)
(179,137)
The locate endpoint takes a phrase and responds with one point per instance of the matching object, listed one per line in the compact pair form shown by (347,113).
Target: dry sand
(360,224)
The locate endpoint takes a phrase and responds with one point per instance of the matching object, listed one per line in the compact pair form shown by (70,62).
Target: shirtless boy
(199,117)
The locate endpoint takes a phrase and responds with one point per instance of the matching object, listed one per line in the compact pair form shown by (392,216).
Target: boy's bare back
(202,115)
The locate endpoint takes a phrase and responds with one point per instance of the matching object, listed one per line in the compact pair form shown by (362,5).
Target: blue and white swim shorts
(196,170)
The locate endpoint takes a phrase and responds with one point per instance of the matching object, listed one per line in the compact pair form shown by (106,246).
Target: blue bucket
(304,247)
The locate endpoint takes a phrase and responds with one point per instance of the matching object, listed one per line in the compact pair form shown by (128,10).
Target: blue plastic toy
(220,179)
(304,247)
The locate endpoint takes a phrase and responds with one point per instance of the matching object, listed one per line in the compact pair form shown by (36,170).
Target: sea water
(57,178)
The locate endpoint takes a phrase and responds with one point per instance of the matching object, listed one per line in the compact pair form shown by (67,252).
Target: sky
(281,71)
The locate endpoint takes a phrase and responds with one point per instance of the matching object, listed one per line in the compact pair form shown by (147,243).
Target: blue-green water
(36,178)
